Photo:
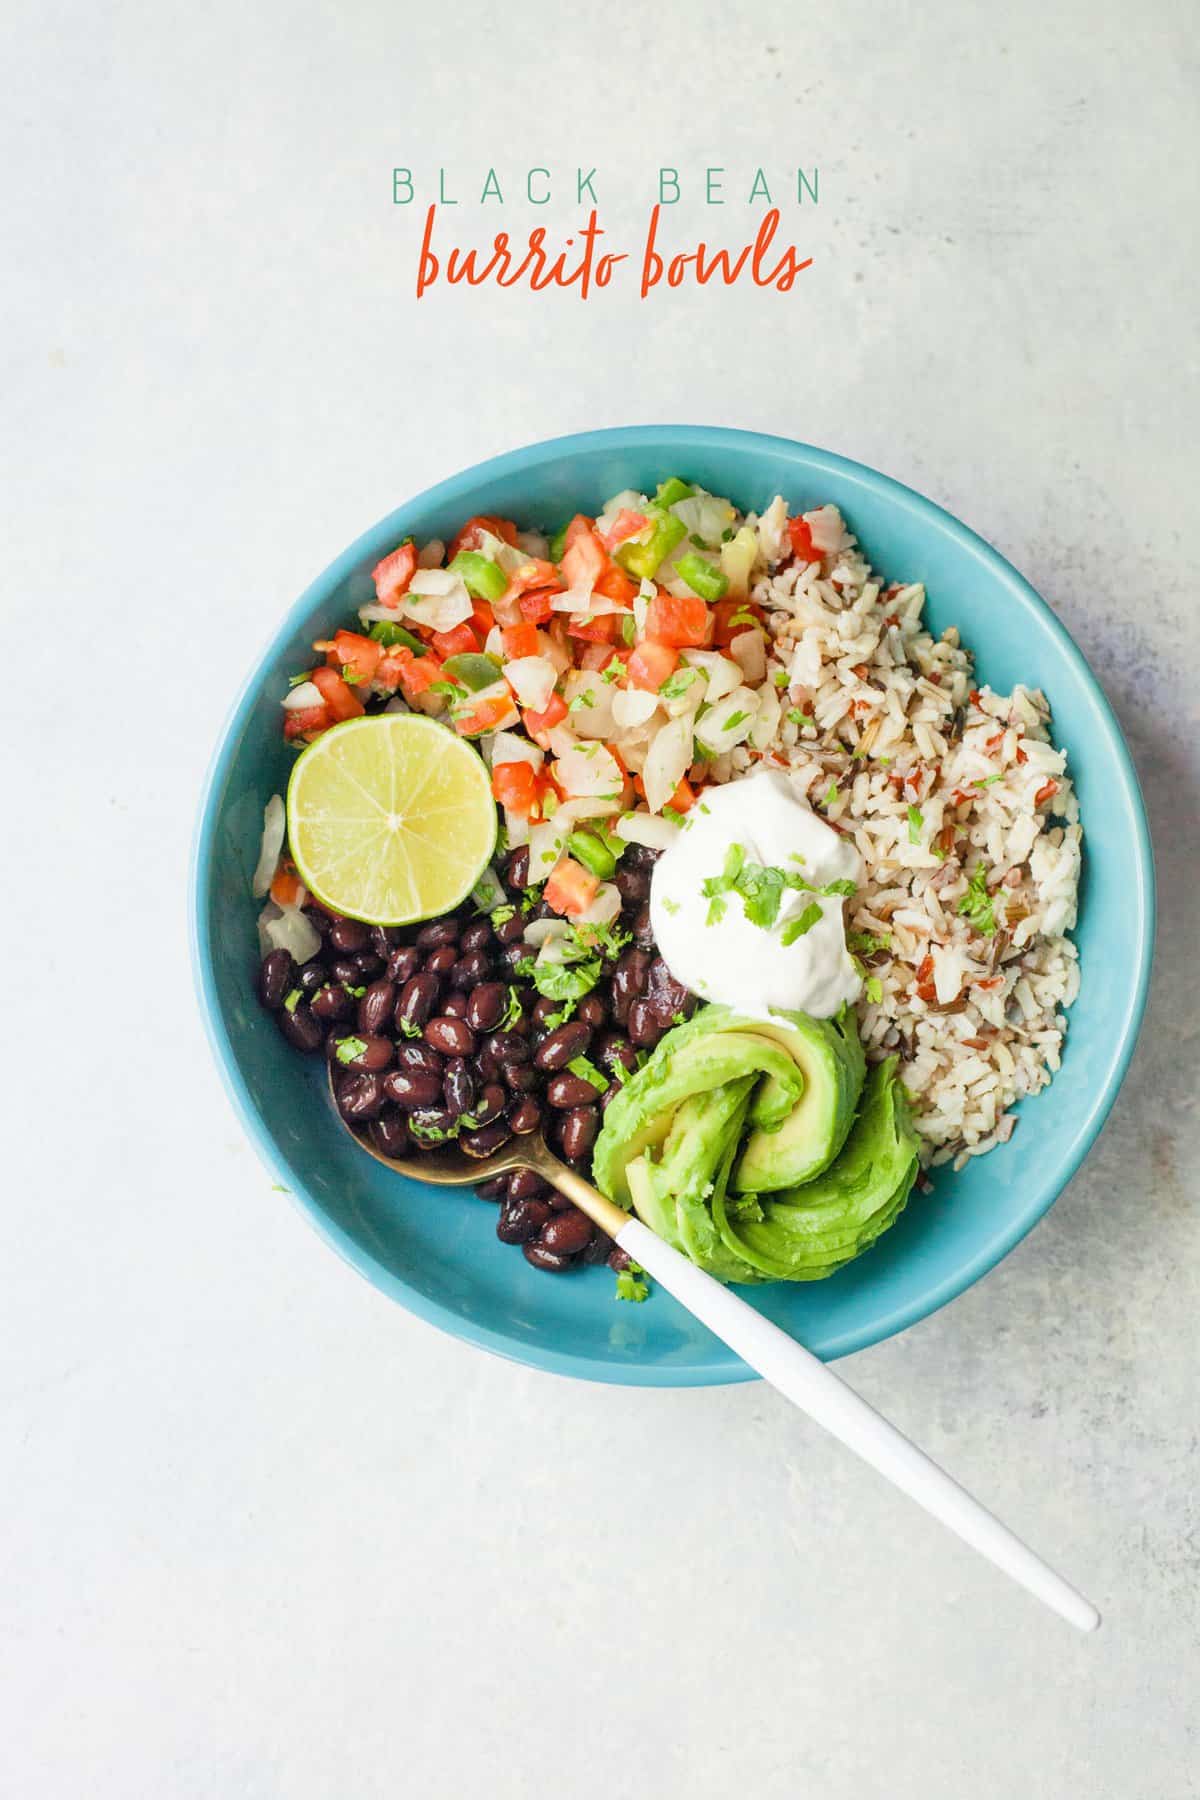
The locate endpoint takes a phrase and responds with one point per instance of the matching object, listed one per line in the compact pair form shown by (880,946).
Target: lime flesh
(390,818)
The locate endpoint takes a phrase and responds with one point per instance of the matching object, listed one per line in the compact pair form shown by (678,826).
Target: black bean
(413,1087)
(476,936)
(360,1096)
(522,1078)
(450,1036)
(597,1249)
(521,1220)
(312,976)
(640,856)
(418,998)
(345,968)
(458,1086)
(404,963)
(470,970)
(485,1065)
(488,1138)
(511,955)
(332,1002)
(384,939)
(490,1103)
(276,978)
(509,931)
(485,1007)
(348,936)
(665,995)
(578,1131)
(516,869)
(438,932)
(629,980)
(300,1028)
(431,1125)
(613,1049)
(567,1232)
(643,931)
(441,960)
(644,1029)
(609,1095)
(558,1201)
(389,1133)
(542,1257)
(592,1011)
(508,1047)
(455,1006)
(411,1055)
(566,1091)
(495,1189)
(376,1006)
(525,1116)
(369,966)
(562,1045)
(526,1184)
(632,883)
(544,1009)
(317,917)
(361,1050)
(618,1259)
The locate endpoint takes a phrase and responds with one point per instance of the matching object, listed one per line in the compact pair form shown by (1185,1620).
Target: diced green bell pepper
(703,577)
(387,634)
(671,490)
(595,856)
(558,544)
(483,578)
(473,670)
(642,559)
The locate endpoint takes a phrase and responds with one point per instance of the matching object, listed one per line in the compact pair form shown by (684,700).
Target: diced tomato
(515,785)
(733,616)
(419,674)
(571,888)
(1047,791)
(651,664)
(340,699)
(458,642)
(390,671)
(536,607)
(685,622)
(471,534)
(286,885)
(975,697)
(584,556)
(305,721)
(393,574)
(553,715)
(360,655)
(488,713)
(520,640)
(615,584)
(627,524)
(925,986)
(597,631)
(482,618)
(532,574)
(800,534)
(1022,756)
(684,797)
(597,657)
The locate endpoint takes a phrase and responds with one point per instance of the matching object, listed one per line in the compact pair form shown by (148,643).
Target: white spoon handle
(816,1390)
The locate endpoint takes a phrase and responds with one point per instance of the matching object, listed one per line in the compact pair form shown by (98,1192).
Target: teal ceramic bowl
(436,1251)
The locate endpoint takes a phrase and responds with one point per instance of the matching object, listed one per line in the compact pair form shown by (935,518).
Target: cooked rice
(898,722)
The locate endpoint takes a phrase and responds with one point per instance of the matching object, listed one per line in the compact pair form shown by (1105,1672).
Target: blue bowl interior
(436,1251)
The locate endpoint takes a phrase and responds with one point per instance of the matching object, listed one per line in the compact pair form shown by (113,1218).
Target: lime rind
(372,807)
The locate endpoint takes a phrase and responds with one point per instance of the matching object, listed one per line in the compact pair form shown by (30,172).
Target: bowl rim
(931,1297)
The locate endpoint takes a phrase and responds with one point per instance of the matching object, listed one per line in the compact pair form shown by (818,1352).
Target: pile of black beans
(427,1025)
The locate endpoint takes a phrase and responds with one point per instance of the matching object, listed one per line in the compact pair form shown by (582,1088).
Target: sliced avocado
(830,1057)
(808,1231)
(701,1239)
(652,1206)
(693,1059)
(697,1157)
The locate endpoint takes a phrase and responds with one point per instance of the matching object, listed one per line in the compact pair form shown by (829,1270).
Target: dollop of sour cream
(722,955)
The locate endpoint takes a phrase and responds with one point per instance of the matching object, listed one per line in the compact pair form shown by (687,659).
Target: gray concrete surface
(265,1534)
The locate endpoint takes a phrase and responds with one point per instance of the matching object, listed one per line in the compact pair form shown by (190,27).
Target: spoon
(797,1374)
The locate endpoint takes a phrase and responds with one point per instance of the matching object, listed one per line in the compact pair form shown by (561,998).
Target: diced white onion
(532,680)
(772,531)
(590,703)
(632,707)
(532,543)
(720,673)
(706,517)
(625,501)
(828,532)
(738,557)
(603,908)
(715,730)
(667,761)
(540,931)
(507,747)
(584,772)
(274,826)
(654,832)
(295,932)
(437,597)
(766,722)
(304,694)
(431,554)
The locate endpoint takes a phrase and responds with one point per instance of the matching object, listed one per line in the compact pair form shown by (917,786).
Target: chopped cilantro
(408,1028)
(987,781)
(796,716)
(673,813)
(779,677)
(916,821)
(293,1000)
(277,1187)
(620,1073)
(874,989)
(670,906)
(801,925)
(446,687)
(716,910)
(832,794)
(629,1286)
(677,685)
(587,698)
(742,617)
(555,1019)
(628,630)
(513,1012)
(349,1049)
(679,1018)
(762,889)
(587,1071)
(294,681)
(350,676)
(705,807)
(502,914)
(976,904)
(614,670)
(735,719)
(355,993)
(865,943)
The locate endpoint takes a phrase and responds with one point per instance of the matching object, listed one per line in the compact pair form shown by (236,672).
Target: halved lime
(390,818)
